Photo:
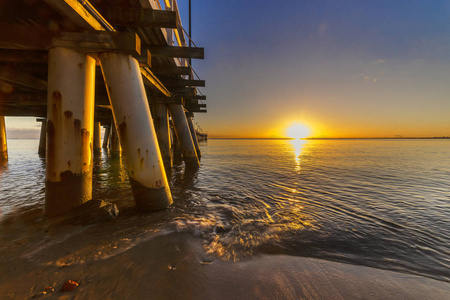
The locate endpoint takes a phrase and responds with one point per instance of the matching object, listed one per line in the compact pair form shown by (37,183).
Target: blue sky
(346,68)
(343,68)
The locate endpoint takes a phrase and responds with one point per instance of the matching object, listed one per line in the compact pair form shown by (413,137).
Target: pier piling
(70,121)
(97,136)
(137,135)
(106,137)
(48,72)
(114,140)
(42,137)
(162,129)
(193,135)
(184,134)
(3,143)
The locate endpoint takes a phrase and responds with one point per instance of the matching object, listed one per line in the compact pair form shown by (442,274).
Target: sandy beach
(175,266)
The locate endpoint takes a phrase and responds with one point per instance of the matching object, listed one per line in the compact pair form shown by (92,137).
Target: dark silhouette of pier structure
(78,65)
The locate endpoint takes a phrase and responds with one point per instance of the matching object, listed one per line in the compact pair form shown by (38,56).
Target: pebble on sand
(69,286)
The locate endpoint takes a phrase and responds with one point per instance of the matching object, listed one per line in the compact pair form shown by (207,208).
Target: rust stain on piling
(85,137)
(122,127)
(77,123)
(56,96)
(68,113)
(56,100)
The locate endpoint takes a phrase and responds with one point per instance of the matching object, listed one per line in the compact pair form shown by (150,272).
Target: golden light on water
(297,147)
(298,131)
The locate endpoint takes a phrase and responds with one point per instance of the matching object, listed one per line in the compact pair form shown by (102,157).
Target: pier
(80,65)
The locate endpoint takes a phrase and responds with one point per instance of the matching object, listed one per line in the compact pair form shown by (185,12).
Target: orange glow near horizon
(298,131)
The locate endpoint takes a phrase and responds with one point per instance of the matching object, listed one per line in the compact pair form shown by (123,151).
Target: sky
(342,68)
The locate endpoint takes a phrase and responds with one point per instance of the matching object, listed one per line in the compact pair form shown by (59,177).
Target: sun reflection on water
(298,146)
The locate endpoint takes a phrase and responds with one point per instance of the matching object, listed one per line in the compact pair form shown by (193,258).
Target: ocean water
(378,203)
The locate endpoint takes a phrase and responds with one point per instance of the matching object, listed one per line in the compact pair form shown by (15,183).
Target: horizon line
(288,138)
(328,138)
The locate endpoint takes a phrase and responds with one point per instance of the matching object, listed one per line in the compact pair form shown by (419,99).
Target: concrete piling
(184,134)
(3,143)
(161,122)
(138,139)
(193,135)
(106,137)
(97,137)
(42,138)
(114,140)
(70,121)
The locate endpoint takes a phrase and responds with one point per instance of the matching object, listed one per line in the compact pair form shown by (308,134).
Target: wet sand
(175,266)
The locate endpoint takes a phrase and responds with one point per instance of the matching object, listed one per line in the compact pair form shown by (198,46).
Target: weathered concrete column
(176,149)
(114,141)
(184,134)
(161,121)
(106,137)
(70,122)
(132,116)
(193,135)
(3,143)
(42,138)
(97,136)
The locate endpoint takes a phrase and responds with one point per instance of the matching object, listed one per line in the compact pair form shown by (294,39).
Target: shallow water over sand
(378,203)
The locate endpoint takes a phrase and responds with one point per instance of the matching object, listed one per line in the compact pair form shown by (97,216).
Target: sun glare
(298,131)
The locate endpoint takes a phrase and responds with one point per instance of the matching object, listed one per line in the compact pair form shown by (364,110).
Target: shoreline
(176,266)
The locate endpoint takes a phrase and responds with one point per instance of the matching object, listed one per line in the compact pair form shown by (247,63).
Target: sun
(298,131)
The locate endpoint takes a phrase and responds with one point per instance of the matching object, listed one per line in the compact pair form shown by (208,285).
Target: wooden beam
(13,76)
(177,37)
(78,14)
(183,82)
(134,17)
(184,92)
(145,59)
(36,56)
(24,98)
(30,37)
(124,42)
(179,32)
(170,70)
(197,110)
(40,98)
(25,37)
(181,52)
(196,97)
(84,18)
(12,111)
(167,100)
(154,82)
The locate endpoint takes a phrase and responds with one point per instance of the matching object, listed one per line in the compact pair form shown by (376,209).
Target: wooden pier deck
(123,64)
(150,32)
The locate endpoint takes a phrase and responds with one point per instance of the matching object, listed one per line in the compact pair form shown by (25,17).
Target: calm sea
(378,203)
